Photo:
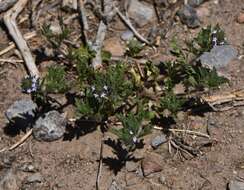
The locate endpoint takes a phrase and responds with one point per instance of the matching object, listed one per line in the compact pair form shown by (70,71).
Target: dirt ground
(73,164)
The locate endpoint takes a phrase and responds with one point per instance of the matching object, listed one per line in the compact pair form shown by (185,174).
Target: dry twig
(100,164)
(107,6)
(191,132)
(12,45)
(225,102)
(128,23)
(21,141)
(10,22)
(84,23)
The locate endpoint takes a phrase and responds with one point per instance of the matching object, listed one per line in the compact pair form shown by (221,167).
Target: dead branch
(84,23)
(10,22)
(226,101)
(97,46)
(101,33)
(12,45)
(6,4)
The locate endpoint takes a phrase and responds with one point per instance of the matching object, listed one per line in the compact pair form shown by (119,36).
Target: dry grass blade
(21,141)
(190,132)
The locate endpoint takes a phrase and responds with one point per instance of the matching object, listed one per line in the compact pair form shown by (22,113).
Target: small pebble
(240,18)
(158,140)
(127,35)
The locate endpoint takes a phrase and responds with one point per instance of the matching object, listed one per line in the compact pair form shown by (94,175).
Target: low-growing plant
(206,39)
(134,47)
(55,39)
(133,129)
(204,77)
(81,58)
(194,76)
(106,92)
(53,82)
(171,103)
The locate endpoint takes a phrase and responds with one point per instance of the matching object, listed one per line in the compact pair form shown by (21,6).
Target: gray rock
(188,16)
(158,140)
(195,3)
(50,127)
(127,35)
(236,185)
(218,57)
(8,180)
(141,13)
(21,109)
(35,178)
(114,186)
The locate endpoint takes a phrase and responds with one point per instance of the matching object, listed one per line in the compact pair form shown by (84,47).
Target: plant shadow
(122,155)
(81,128)
(18,124)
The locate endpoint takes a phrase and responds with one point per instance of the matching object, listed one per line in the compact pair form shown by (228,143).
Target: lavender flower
(135,139)
(30,84)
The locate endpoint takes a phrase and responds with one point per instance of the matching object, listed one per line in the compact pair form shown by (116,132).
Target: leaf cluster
(55,80)
(204,40)
(134,47)
(133,128)
(106,92)
(55,39)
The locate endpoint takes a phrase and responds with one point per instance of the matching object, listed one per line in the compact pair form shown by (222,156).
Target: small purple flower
(32,84)
(135,140)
